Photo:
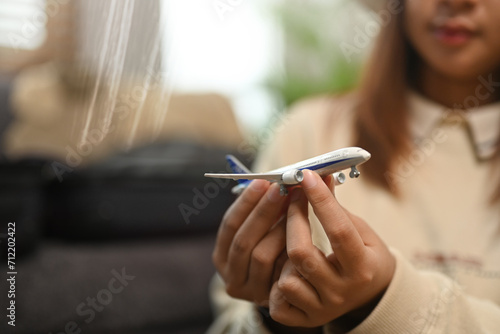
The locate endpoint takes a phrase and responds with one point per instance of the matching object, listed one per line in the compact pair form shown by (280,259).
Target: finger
(330,182)
(297,290)
(263,260)
(309,261)
(365,231)
(234,218)
(282,311)
(265,214)
(343,236)
(278,265)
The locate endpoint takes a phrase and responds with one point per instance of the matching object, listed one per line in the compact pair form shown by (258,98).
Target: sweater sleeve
(233,316)
(427,302)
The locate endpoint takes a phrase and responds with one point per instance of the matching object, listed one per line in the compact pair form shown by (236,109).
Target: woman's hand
(315,289)
(250,247)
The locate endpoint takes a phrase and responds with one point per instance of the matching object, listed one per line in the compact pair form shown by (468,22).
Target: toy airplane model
(325,164)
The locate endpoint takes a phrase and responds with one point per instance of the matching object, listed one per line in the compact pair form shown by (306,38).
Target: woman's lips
(453,31)
(453,37)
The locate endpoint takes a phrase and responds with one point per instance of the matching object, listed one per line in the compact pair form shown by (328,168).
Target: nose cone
(366,155)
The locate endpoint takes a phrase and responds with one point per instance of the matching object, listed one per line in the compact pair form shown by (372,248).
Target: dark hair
(381,124)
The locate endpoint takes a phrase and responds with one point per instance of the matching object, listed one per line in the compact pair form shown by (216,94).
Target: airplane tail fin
(237,167)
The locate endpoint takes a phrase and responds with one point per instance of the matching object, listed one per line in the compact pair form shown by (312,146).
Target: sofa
(122,242)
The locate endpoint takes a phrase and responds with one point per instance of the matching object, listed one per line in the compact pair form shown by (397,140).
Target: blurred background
(110,113)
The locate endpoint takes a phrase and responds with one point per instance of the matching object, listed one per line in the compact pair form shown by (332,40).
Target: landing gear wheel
(283,190)
(354,173)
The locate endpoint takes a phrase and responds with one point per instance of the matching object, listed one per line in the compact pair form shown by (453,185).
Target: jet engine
(293,176)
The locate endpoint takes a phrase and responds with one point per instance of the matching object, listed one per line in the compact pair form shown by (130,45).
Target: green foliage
(313,61)
(335,79)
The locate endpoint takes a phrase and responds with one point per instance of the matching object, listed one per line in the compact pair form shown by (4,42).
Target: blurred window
(23,24)
(224,46)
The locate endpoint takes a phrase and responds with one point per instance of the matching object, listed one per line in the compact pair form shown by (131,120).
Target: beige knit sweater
(444,233)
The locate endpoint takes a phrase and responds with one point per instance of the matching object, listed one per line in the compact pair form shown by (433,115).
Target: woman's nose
(457,6)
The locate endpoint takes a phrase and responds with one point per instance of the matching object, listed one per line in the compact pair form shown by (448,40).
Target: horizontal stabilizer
(237,166)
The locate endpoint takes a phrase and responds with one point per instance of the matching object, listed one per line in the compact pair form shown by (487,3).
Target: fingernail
(310,179)
(273,194)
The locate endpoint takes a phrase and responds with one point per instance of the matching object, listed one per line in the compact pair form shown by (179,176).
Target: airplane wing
(249,176)
(288,177)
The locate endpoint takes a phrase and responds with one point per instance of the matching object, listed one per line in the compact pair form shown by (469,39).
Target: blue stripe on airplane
(315,167)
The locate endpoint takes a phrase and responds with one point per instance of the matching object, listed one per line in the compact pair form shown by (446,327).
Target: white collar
(483,122)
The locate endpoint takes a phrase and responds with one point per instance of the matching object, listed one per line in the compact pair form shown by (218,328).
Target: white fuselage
(331,162)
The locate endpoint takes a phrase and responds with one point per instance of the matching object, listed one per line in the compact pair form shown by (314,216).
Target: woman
(413,246)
